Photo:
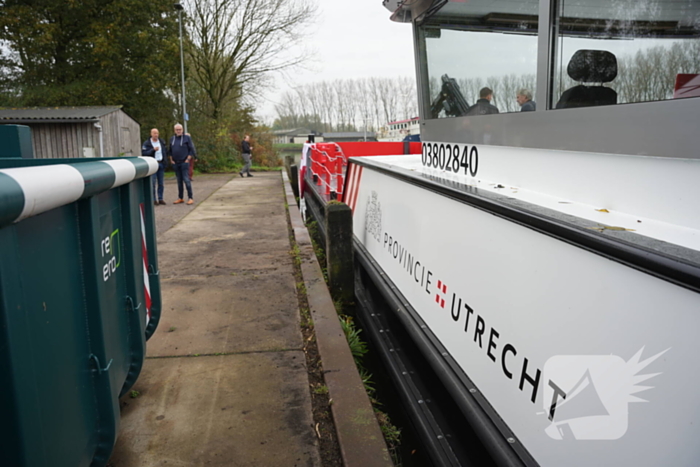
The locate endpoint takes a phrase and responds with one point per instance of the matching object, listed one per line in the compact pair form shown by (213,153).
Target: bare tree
(408,98)
(235,44)
(350,104)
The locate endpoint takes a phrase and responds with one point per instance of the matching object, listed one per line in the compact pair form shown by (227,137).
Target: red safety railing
(327,162)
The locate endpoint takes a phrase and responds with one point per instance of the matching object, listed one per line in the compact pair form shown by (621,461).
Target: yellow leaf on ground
(602,210)
(602,227)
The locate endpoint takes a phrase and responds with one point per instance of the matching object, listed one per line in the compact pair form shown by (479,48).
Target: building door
(126,148)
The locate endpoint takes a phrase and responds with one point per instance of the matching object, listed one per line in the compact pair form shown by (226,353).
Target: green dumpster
(79,297)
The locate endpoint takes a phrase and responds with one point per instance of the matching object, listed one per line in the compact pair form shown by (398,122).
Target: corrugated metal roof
(55,113)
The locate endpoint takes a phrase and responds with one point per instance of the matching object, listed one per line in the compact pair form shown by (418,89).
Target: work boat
(532,274)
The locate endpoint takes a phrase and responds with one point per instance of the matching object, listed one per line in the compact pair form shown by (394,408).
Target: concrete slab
(225,313)
(228,288)
(234,410)
(241,227)
(170,214)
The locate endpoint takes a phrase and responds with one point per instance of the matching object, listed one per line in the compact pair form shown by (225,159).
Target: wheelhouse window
(481,57)
(621,51)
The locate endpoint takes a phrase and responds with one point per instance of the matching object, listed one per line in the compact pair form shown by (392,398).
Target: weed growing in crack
(296,255)
(358,347)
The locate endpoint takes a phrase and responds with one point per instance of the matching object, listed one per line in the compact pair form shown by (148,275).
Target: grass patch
(358,347)
(258,168)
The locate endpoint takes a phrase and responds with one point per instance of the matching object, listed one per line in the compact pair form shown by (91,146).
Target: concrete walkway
(225,381)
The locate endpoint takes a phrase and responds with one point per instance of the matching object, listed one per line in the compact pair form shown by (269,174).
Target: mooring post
(294,180)
(339,252)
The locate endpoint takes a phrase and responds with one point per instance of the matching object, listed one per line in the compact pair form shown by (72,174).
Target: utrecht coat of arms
(373,217)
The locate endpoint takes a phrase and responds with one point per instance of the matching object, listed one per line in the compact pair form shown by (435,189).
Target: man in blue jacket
(181,152)
(524,98)
(156,148)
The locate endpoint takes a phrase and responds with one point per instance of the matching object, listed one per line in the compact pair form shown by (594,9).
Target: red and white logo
(441,294)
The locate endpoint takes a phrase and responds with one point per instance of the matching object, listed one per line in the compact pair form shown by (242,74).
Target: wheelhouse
(636,65)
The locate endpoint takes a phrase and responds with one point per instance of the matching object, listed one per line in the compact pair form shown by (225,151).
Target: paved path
(202,187)
(225,382)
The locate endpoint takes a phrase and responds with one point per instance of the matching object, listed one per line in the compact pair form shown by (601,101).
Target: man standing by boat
(524,98)
(483,106)
(181,154)
(247,153)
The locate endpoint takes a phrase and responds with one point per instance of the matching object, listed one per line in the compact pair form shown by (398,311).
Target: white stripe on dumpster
(152,164)
(47,187)
(124,171)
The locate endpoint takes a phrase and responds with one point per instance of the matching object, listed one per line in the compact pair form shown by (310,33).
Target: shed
(66,132)
(295,136)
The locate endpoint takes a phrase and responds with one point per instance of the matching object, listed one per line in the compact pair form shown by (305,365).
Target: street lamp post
(179,9)
(365,127)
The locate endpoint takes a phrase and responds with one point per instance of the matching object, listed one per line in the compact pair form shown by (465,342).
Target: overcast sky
(350,39)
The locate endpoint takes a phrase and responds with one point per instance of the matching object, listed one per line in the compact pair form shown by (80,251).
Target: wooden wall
(130,135)
(121,137)
(58,140)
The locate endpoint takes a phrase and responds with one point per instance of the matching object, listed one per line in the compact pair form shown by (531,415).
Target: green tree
(92,52)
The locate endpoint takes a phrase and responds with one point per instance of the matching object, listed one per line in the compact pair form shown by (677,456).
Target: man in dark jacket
(524,98)
(156,148)
(181,152)
(483,106)
(247,153)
